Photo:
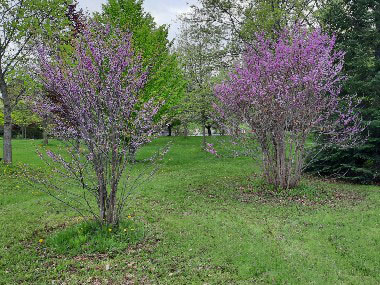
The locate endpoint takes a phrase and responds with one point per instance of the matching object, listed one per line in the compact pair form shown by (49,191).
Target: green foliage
(265,16)
(23,24)
(165,82)
(357,27)
(23,116)
(201,50)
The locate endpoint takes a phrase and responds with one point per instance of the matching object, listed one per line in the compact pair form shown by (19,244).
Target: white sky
(164,11)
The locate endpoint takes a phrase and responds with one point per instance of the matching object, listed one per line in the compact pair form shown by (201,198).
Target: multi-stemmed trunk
(107,203)
(108,172)
(283,160)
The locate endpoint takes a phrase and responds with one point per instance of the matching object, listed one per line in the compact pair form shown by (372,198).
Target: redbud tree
(93,97)
(285,91)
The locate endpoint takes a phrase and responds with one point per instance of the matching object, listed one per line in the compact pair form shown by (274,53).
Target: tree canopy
(165,81)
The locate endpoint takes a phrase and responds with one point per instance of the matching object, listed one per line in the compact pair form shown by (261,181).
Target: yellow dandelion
(41,241)
(110,230)
(129,217)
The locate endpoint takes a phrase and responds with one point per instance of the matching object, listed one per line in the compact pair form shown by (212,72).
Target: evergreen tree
(357,26)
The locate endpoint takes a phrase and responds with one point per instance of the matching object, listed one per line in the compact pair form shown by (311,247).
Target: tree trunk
(44,132)
(23,128)
(111,201)
(185,131)
(169,130)
(204,136)
(7,143)
(282,165)
(209,131)
(102,200)
(132,155)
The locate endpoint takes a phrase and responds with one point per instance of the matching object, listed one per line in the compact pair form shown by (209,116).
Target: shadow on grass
(310,192)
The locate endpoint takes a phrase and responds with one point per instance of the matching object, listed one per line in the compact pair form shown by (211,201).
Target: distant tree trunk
(209,130)
(204,128)
(44,132)
(23,132)
(185,131)
(169,130)
(204,136)
(7,143)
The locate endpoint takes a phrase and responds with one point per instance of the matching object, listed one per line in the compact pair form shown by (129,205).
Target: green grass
(91,238)
(201,220)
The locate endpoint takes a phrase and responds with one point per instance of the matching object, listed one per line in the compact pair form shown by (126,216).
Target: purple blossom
(284,90)
(93,97)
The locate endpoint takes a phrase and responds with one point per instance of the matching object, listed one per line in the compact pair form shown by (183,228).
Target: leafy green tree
(357,27)
(22,24)
(241,19)
(200,53)
(165,82)
(23,116)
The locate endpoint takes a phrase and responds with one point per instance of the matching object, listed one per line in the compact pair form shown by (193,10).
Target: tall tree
(357,26)
(165,80)
(22,22)
(200,53)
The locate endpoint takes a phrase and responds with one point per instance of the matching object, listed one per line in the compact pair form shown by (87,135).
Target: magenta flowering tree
(93,98)
(285,90)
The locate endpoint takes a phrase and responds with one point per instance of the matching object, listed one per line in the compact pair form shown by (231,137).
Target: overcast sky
(164,11)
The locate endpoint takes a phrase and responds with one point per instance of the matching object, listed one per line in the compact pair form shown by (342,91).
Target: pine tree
(357,26)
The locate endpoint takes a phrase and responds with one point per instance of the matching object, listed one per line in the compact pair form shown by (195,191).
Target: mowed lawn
(206,220)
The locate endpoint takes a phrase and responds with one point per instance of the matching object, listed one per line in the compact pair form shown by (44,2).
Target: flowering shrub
(94,103)
(286,89)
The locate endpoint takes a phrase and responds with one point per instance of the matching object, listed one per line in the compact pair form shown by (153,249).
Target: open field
(205,220)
